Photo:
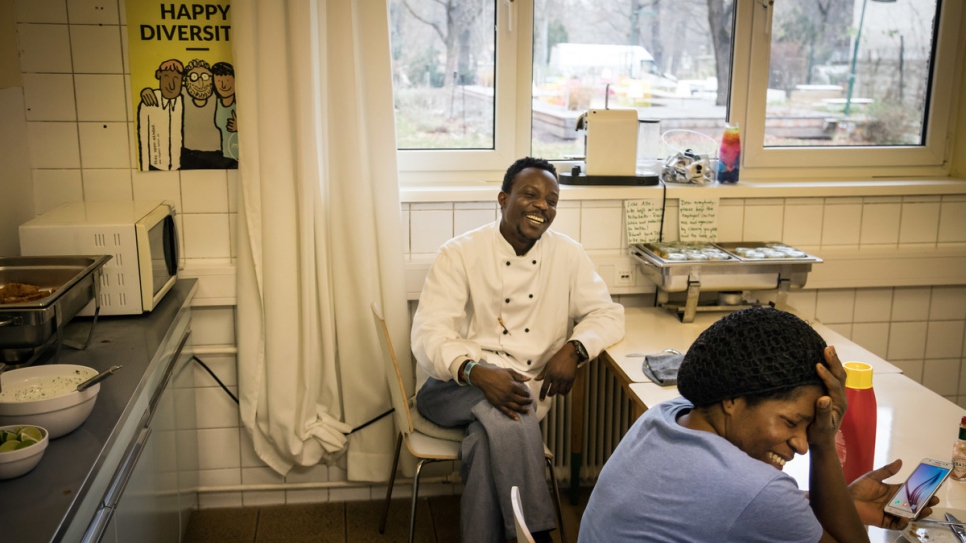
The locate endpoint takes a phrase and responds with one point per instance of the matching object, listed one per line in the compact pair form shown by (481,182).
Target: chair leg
(412,514)
(556,501)
(392,481)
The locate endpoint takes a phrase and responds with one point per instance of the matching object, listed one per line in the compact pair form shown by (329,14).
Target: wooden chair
(426,441)
(523,533)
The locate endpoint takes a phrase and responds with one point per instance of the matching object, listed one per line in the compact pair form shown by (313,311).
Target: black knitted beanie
(751,352)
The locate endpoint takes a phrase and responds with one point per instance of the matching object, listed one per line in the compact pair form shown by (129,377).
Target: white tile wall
(101,97)
(764,219)
(49,97)
(600,224)
(873,305)
(731,219)
(907,340)
(874,336)
(206,235)
(880,221)
(803,221)
(41,11)
(92,12)
(53,145)
(567,221)
(204,191)
(910,304)
(107,185)
(103,145)
(44,48)
(920,221)
(96,49)
(835,306)
(55,187)
(842,222)
(952,220)
(157,186)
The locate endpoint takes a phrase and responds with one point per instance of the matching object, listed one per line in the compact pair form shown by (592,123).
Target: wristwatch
(581,351)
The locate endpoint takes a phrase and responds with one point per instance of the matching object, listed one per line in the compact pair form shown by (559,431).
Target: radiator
(607,416)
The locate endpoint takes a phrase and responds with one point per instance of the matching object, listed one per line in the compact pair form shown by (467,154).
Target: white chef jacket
(481,300)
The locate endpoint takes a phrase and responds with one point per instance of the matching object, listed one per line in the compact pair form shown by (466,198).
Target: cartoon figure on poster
(181,125)
(183,85)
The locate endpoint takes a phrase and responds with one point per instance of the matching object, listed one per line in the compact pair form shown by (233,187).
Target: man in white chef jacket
(507,313)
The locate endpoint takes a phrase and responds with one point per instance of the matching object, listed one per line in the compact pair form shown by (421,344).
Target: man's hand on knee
(503,388)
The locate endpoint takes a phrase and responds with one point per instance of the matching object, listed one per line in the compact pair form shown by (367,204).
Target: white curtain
(319,230)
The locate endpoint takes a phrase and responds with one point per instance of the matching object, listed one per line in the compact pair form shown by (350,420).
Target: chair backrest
(523,533)
(397,389)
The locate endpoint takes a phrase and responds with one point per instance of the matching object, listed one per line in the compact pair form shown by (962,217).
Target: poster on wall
(183,85)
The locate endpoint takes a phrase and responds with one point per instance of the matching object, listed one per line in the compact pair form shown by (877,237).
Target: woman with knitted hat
(759,386)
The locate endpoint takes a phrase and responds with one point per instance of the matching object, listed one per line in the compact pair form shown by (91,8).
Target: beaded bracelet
(467,369)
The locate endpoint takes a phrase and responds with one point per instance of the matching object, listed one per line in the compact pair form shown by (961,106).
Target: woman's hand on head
(829,409)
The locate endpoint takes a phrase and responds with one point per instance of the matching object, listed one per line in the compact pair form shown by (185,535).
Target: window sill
(487,190)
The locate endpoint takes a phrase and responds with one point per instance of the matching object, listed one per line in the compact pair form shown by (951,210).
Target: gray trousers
(497,454)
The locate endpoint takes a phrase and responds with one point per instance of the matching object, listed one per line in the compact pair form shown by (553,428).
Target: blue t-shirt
(669,483)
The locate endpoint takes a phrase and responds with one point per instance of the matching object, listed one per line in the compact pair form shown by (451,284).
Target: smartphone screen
(919,488)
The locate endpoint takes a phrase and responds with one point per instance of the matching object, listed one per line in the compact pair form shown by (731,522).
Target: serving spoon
(97,378)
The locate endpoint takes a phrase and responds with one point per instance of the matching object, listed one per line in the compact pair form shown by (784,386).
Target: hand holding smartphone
(915,493)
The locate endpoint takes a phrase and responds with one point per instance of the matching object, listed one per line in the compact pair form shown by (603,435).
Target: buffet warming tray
(732,266)
(27,329)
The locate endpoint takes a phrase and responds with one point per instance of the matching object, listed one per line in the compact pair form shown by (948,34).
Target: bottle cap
(858,375)
(962,422)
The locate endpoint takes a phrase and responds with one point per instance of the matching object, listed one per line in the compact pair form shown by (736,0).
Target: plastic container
(729,157)
(855,442)
(959,454)
(648,146)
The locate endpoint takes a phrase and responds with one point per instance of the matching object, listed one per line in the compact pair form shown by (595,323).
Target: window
(802,58)
(521,72)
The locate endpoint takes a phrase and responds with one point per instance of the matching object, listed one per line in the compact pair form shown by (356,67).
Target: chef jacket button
(534,261)
(529,362)
(508,263)
(531,295)
(527,330)
(507,300)
(505,332)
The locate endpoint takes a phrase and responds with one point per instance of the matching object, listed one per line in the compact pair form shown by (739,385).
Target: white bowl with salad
(47,396)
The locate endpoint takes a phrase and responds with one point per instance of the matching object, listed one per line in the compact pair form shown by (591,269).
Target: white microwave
(141,237)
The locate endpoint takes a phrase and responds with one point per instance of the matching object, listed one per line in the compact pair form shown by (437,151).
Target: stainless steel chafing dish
(27,329)
(693,267)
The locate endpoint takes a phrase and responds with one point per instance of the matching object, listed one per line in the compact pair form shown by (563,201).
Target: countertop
(650,330)
(40,505)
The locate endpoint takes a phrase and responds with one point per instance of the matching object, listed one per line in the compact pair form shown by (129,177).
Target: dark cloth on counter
(663,368)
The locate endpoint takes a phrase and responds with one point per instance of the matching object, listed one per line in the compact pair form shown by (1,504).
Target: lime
(32,432)
(27,440)
(24,444)
(6,435)
(9,446)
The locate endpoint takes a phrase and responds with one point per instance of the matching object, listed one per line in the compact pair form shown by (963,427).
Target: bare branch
(436,27)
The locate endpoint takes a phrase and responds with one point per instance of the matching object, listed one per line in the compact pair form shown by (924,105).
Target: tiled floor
(346,522)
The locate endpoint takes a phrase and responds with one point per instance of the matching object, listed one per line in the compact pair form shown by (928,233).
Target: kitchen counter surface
(40,505)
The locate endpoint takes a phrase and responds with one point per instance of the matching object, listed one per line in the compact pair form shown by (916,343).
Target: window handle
(509,15)
(765,4)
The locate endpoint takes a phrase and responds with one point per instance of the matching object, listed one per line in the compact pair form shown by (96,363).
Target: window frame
(883,161)
(469,164)
(750,64)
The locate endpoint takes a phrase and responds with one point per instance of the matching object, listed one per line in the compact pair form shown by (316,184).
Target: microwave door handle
(170,245)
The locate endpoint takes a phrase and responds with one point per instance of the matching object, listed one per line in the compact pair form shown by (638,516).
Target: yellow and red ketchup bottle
(855,442)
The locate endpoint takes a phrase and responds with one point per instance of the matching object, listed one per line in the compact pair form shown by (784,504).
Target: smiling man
(507,313)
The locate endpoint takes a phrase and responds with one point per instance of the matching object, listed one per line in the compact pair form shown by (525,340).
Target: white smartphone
(918,489)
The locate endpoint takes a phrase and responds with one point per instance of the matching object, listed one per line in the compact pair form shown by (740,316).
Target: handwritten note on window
(698,219)
(643,218)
